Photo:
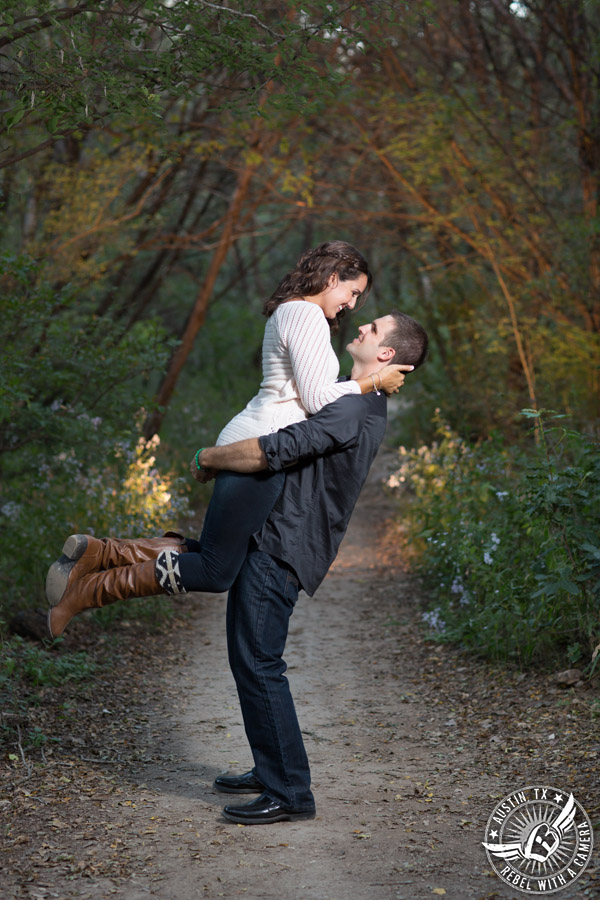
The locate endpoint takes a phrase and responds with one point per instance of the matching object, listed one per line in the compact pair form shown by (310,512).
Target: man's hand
(202,475)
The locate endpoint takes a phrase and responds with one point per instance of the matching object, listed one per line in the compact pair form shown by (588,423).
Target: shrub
(124,494)
(507,541)
(37,666)
(71,460)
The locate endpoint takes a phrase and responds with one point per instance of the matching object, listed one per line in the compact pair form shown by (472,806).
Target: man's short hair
(408,338)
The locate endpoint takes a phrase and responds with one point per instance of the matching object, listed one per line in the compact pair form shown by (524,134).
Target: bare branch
(40,147)
(45,22)
(245,15)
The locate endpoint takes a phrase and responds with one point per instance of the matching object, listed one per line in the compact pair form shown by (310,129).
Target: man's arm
(243,456)
(334,428)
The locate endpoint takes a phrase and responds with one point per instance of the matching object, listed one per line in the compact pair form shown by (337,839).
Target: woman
(299,377)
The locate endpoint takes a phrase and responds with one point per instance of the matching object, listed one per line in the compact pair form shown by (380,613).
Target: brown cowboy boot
(97,589)
(118,552)
(82,554)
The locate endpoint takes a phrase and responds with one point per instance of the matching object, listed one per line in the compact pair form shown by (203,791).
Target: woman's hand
(392,378)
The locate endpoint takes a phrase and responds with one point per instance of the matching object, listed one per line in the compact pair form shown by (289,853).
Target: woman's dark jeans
(260,604)
(239,506)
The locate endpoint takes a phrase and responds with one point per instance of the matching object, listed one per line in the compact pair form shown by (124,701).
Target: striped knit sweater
(299,372)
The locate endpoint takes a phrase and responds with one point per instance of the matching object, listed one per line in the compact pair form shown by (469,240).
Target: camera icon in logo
(543,841)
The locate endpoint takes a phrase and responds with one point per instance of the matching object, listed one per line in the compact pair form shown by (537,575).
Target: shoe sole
(58,573)
(233,790)
(260,820)
(75,546)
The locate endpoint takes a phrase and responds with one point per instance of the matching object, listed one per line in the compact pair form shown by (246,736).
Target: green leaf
(595,551)
(14,118)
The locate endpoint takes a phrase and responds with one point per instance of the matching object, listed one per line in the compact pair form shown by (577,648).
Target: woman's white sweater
(299,371)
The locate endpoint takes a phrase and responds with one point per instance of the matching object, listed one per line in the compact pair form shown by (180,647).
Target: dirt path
(411,746)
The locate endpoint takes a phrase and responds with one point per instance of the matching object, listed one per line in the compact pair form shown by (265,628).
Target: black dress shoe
(239,784)
(263,811)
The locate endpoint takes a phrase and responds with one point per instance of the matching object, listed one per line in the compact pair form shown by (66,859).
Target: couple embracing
(288,470)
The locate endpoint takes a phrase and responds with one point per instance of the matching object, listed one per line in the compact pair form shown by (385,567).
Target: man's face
(367,347)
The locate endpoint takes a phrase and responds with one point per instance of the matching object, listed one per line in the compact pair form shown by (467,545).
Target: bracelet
(198,452)
(372,377)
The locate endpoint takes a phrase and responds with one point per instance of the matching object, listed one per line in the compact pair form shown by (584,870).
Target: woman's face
(340,295)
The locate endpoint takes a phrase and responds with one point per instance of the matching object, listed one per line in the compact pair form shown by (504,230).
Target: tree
(473,143)
(137,129)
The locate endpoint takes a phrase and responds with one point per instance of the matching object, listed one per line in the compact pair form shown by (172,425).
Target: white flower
(434,619)
(501,494)
(495,538)
(487,558)
(10,509)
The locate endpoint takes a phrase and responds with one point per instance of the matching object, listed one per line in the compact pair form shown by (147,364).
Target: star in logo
(558,798)
(493,834)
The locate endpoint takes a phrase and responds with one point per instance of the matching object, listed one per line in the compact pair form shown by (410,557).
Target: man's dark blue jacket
(326,460)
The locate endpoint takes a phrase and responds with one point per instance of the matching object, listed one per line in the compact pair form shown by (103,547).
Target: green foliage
(65,372)
(507,542)
(101,63)
(71,398)
(37,666)
(25,669)
(222,375)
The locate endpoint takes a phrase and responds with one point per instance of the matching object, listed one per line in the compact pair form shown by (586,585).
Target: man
(327,459)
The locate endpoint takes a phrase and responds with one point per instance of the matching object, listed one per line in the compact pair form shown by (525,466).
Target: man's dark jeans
(260,604)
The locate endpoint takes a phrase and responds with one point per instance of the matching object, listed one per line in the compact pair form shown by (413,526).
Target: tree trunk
(198,314)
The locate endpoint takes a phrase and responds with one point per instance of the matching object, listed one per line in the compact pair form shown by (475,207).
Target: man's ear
(385,354)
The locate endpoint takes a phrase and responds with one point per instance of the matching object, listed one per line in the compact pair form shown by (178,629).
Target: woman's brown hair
(312,273)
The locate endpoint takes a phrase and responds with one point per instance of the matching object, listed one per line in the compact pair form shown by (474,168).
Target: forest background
(163,163)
